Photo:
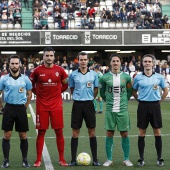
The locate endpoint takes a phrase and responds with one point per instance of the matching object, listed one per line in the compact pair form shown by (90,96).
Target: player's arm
(1,106)
(33,80)
(102,87)
(165,93)
(64,84)
(29,96)
(71,90)
(129,88)
(95,92)
(134,93)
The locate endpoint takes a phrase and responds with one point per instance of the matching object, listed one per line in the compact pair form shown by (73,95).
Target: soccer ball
(83,159)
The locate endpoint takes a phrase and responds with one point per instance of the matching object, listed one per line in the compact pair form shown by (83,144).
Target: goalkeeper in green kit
(116,90)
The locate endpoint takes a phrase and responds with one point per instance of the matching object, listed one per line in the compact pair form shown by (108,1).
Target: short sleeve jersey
(15,90)
(114,87)
(83,84)
(149,87)
(48,87)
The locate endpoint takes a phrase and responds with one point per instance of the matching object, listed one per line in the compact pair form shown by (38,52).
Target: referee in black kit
(17,96)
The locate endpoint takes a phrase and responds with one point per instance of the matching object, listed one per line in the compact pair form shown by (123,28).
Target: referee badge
(89,84)
(21,90)
(155,86)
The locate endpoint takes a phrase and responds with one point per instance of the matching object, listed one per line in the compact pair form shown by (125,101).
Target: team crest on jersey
(57,74)
(89,84)
(21,90)
(155,86)
(123,81)
(49,80)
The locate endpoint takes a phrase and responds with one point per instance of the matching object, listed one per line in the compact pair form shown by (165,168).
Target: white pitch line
(46,156)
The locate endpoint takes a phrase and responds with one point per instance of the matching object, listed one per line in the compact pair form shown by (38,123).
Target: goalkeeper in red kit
(49,81)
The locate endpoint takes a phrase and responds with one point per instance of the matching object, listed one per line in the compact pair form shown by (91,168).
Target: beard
(14,71)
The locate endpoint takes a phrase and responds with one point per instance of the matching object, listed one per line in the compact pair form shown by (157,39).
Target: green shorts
(120,119)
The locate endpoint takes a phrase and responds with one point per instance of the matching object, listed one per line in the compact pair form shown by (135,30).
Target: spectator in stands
(43,12)
(124,16)
(131,16)
(91,12)
(130,6)
(17,3)
(57,8)
(131,67)
(37,62)
(37,24)
(65,65)
(63,24)
(25,71)
(103,16)
(91,24)
(116,6)
(147,24)
(70,12)
(166,22)
(5,65)
(36,12)
(4,9)
(158,68)
(153,24)
(125,67)
(4,3)
(57,18)
(26,4)
(57,2)
(84,21)
(97,58)
(37,5)
(158,23)
(17,17)
(11,7)
(44,22)
(143,8)
(117,16)
(139,22)
(4,17)
(139,67)
(63,9)
(111,17)
(150,14)
(158,14)
(89,3)
(11,17)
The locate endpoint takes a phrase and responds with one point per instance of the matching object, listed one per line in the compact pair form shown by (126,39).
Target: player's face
(148,63)
(115,63)
(48,57)
(83,61)
(14,65)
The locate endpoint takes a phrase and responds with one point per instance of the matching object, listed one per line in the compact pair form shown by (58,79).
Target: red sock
(60,143)
(40,143)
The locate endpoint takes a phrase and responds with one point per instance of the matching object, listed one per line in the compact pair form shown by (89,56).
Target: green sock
(109,144)
(126,147)
(101,105)
(95,104)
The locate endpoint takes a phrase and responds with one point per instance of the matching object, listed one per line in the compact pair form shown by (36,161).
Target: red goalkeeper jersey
(47,82)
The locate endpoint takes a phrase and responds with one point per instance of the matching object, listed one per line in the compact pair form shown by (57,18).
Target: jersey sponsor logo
(89,84)
(155,86)
(49,80)
(21,90)
(42,74)
(57,74)
(123,81)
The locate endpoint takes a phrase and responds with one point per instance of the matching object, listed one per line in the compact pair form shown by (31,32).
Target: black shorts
(149,112)
(83,110)
(15,113)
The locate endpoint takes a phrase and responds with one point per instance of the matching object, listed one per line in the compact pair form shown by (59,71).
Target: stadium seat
(71,24)
(50,3)
(119,25)
(10,26)
(50,19)
(50,9)
(112,25)
(17,26)
(50,25)
(102,3)
(109,3)
(78,23)
(105,25)
(56,26)
(125,25)
(110,7)
(4,26)
(102,6)
(131,25)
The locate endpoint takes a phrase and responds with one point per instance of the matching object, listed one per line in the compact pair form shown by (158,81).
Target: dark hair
(151,56)
(13,56)
(115,55)
(82,53)
(48,49)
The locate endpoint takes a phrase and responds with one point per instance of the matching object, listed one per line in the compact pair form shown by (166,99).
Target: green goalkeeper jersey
(116,90)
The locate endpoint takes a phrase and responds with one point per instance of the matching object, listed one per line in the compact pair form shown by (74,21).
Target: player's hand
(1,111)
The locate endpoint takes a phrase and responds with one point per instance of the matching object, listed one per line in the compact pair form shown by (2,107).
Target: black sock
(141,146)
(158,146)
(24,148)
(6,148)
(93,146)
(74,145)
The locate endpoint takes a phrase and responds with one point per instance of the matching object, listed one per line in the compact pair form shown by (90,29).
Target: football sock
(126,147)
(60,143)
(40,143)
(24,148)
(109,144)
(141,146)
(101,105)
(6,148)
(158,146)
(95,104)
(74,145)
(93,146)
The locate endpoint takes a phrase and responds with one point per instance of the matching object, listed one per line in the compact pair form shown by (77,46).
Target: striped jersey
(116,90)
